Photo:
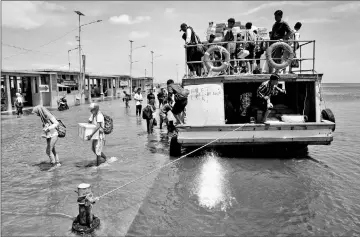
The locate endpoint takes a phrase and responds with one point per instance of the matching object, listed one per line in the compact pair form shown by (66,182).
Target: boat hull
(257,134)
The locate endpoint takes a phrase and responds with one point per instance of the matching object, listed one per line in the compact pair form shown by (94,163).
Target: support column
(89,90)
(40,93)
(8,93)
(101,88)
(317,102)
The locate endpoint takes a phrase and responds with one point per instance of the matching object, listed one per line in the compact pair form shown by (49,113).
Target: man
(265,91)
(230,35)
(192,53)
(180,95)
(295,45)
(161,97)
(98,135)
(138,100)
(259,49)
(250,44)
(280,31)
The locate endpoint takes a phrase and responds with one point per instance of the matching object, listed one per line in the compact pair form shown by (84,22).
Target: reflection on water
(211,184)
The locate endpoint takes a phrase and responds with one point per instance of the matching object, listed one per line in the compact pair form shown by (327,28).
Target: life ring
(327,114)
(271,61)
(224,64)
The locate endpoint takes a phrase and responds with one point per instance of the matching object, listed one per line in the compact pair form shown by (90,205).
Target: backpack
(108,121)
(61,128)
(147,113)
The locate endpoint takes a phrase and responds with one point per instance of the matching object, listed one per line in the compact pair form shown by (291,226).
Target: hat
(274,77)
(231,20)
(182,25)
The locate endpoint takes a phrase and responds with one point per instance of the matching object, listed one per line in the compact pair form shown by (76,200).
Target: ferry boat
(297,118)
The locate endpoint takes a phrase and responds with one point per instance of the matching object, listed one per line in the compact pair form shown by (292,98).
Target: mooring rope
(40,214)
(122,186)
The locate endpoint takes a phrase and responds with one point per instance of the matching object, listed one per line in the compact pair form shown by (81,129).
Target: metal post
(314,57)
(177,73)
(80,78)
(131,66)
(186,66)
(145,73)
(300,60)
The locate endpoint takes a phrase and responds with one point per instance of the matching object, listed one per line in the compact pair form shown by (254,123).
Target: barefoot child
(98,136)
(163,112)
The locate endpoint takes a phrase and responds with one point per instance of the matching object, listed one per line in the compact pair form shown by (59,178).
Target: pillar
(38,78)
(89,90)
(101,88)
(7,92)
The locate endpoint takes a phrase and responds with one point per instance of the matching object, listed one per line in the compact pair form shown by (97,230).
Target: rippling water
(208,194)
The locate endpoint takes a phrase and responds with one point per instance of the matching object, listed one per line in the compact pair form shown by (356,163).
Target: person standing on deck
(138,99)
(265,91)
(19,104)
(192,53)
(280,31)
(230,35)
(180,95)
(295,45)
(49,132)
(98,136)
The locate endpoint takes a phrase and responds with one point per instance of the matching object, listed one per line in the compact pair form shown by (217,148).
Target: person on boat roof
(280,31)
(294,45)
(192,53)
(250,44)
(265,91)
(230,35)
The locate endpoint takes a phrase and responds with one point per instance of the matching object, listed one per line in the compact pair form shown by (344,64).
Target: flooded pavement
(207,194)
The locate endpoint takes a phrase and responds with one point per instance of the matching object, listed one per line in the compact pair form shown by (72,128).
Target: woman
(19,104)
(49,132)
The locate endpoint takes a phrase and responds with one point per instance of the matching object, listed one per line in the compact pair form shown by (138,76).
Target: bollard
(85,222)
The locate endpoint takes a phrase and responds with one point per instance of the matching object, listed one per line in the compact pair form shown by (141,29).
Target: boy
(126,98)
(98,136)
(265,91)
(163,113)
(149,114)
(180,95)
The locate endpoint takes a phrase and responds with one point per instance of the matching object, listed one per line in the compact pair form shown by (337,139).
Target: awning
(60,85)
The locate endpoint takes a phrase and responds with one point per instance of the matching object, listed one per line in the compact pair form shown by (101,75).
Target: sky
(38,35)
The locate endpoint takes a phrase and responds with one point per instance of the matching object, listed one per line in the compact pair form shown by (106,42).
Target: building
(45,87)
(145,83)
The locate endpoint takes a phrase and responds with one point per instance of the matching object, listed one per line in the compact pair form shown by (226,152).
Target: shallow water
(208,194)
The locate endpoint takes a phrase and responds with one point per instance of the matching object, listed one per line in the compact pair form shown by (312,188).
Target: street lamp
(152,63)
(131,62)
(69,55)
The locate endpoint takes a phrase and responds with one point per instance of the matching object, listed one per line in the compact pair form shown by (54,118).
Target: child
(19,105)
(98,136)
(163,112)
(126,98)
(149,114)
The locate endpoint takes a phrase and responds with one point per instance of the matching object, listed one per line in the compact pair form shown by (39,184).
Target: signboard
(124,83)
(263,32)
(43,88)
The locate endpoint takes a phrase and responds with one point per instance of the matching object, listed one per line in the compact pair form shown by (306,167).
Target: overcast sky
(29,25)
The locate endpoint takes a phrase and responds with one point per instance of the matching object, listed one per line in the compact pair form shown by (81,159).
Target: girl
(19,104)
(49,132)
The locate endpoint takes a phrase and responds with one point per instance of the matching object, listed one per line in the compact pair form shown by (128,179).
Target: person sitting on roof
(265,91)
(280,31)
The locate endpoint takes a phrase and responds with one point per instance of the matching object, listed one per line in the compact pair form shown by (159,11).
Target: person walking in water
(19,104)
(98,136)
(138,98)
(49,132)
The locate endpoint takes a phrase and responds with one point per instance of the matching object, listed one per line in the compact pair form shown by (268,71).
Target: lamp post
(69,55)
(131,62)
(152,63)
(82,79)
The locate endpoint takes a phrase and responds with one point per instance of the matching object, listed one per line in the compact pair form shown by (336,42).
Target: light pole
(145,73)
(131,62)
(152,63)
(69,55)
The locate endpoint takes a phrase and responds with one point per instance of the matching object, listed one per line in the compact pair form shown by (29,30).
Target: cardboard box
(85,129)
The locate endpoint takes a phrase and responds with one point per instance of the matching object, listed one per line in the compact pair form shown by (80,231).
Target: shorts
(179,106)
(97,146)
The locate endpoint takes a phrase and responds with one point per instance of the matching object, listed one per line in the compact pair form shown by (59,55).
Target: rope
(105,194)
(39,214)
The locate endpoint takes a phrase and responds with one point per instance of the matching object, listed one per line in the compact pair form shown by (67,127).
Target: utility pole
(145,73)
(131,41)
(177,73)
(152,64)
(80,78)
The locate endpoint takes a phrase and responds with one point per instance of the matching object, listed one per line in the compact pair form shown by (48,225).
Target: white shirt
(99,118)
(188,35)
(138,97)
(295,36)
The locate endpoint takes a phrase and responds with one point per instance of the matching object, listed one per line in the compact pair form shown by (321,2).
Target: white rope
(105,194)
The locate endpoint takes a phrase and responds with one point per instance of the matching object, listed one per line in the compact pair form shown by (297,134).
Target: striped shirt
(266,90)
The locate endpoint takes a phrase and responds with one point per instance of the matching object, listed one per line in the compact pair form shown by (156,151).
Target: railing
(227,72)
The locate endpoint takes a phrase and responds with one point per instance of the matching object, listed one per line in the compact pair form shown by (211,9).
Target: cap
(182,25)
(274,77)
(231,20)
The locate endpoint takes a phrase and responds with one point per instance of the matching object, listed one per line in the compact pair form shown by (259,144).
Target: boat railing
(299,56)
